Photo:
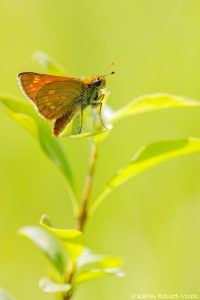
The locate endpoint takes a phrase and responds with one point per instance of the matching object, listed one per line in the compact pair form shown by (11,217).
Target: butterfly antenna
(109,66)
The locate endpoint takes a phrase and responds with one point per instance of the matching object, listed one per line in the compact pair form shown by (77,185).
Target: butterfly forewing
(53,96)
(31,82)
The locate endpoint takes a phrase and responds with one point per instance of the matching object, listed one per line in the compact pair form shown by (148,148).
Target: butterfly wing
(31,82)
(62,122)
(54,97)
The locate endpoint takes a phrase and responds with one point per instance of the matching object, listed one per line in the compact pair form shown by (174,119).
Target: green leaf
(98,136)
(63,234)
(97,273)
(91,260)
(72,239)
(74,249)
(92,126)
(91,266)
(25,121)
(5,296)
(51,65)
(147,157)
(49,286)
(45,221)
(49,245)
(149,103)
(23,113)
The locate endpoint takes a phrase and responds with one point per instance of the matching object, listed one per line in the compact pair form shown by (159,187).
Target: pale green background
(152,221)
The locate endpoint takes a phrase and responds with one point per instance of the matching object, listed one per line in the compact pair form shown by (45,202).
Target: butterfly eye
(97,82)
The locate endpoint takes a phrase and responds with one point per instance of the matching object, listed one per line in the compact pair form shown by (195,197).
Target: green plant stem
(82,217)
(73,199)
(83,214)
(66,297)
(68,279)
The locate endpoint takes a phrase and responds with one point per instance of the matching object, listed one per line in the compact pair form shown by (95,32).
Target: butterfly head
(100,81)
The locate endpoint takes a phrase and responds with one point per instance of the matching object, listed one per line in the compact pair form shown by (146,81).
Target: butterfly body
(59,98)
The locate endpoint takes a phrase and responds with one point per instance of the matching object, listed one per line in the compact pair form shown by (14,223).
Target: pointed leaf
(64,234)
(49,286)
(97,273)
(25,121)
(72,239)
(23,113)
(149,103)
(49,245)
(45,221)
(74,250)
(147,157)
(91,260)
(98,136)
(50,64)
(91,266)
(92,126)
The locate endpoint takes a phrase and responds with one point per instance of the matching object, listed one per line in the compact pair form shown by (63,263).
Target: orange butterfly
(59,98)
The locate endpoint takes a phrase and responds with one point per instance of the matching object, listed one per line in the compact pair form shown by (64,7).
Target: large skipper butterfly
(59,98)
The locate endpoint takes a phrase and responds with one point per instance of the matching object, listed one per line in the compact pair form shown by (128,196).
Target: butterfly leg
(100,115)
(99,103)
(81,120)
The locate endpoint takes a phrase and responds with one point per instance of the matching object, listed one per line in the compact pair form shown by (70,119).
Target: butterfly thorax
(93,90)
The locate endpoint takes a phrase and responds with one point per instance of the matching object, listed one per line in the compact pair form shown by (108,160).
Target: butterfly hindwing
(62,122)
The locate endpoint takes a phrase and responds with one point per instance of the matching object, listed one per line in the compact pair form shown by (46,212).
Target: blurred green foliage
(153,220)
(66,248)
